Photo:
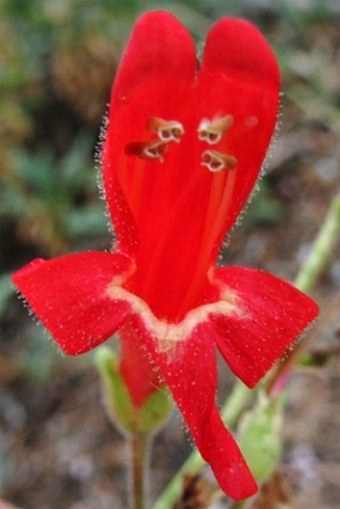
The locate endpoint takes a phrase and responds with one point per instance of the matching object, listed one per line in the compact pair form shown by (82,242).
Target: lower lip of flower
(168,335)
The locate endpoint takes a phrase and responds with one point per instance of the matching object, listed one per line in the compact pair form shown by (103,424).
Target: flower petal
(272,314)
(69,296)
(135,367)
(158,44)
(189,368)
(241,79)
(173,192)
(157,67)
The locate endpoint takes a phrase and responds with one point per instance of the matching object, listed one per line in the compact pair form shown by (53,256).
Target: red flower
(183,150)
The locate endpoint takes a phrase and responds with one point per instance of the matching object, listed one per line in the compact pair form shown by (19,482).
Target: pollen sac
(212,131)
(216,161)
(147,150)
(166,131)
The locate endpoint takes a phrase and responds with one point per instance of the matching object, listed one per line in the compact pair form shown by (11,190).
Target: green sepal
(260,436)
(119,404)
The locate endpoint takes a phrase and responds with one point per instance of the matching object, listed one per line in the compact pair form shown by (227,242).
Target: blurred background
(57,62)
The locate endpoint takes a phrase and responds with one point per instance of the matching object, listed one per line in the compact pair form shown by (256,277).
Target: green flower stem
(321,250)
(139,450)
(241,395)
(233,407)
(236,402)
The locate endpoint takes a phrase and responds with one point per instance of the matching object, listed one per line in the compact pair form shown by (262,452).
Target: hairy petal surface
(188,366)
(273,315)
(69,295)
(136,368)
(172,209)
(157,69)
(239,76)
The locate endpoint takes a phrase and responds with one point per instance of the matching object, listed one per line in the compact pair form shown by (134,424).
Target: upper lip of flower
(177,165)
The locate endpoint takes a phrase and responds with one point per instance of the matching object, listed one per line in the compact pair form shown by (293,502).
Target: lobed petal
(157,67)
(171,206)
(188,366)
(272,315)
(135,367)
(70,296)
(240,78)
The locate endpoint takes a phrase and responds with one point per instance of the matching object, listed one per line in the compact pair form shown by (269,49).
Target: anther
(171,130)
(216,161)
(211,131)
(147,150)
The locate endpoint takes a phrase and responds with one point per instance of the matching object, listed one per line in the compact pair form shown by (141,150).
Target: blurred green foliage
(54,200)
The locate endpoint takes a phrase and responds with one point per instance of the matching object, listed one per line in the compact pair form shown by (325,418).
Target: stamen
(216,161)
(147,150)
(211,131)
(155,150)
(171,130)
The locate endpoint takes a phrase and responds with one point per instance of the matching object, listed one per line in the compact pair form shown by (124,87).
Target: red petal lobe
(240,78)
(69,296)
(189,368)
(272,315)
